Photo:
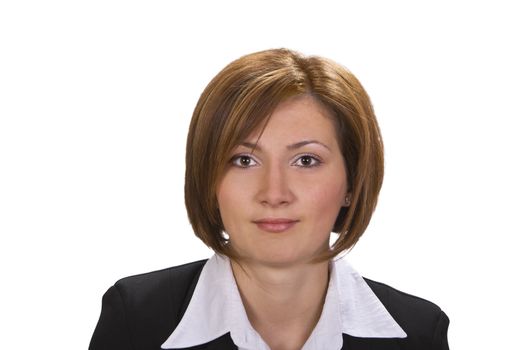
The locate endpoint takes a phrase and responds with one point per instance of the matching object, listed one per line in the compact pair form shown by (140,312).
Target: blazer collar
(216,309)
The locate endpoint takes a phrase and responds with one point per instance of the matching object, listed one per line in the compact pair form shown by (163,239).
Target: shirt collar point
(358,311)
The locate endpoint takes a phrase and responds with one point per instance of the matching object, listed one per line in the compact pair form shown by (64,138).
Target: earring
(347,200)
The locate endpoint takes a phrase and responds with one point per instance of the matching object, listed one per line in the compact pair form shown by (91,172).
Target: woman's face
(279,203)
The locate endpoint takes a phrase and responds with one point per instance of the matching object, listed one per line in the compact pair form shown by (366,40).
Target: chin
(280,253)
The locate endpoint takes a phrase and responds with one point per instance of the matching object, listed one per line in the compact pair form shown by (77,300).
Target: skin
(296,172)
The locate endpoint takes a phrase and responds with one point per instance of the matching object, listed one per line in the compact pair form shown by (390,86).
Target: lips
(275,225)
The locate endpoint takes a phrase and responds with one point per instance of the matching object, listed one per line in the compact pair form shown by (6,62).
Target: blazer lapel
(223,343)
(354,343)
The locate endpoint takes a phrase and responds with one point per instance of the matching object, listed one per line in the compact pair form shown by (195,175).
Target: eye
(243,161)
(307,161)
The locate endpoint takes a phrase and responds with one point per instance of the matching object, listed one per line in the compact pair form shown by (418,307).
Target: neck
(282,301)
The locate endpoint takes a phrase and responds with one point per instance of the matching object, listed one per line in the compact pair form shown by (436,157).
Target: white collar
(216,308)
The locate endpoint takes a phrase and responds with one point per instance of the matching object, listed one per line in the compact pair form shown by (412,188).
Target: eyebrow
(293,146)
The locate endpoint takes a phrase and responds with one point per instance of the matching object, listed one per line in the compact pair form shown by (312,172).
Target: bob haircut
(242,97)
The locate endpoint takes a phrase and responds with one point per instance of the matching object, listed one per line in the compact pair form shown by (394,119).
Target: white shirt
(216,308)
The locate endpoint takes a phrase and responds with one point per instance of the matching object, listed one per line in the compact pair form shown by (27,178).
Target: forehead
(299,117)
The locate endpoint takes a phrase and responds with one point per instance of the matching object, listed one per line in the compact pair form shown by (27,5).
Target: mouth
(275,225)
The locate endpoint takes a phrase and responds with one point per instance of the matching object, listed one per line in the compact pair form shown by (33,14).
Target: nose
(274,187)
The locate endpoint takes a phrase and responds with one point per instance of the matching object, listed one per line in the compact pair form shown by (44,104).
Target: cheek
(331,181)
(225,200)
(231,194)
(325,199)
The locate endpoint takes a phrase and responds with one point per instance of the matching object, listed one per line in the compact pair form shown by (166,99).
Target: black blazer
(140,312)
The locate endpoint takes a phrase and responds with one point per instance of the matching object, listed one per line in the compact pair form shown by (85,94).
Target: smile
(275,225)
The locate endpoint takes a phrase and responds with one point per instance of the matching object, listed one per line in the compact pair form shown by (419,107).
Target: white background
(95,101)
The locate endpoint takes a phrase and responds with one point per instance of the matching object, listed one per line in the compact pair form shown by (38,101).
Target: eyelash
(317,161)
(238,157)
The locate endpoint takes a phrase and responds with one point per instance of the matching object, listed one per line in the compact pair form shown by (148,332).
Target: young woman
(282,150)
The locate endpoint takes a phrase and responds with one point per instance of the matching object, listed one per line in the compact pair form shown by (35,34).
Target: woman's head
(237,106)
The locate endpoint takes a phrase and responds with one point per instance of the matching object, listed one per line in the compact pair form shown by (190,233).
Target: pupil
(245,161)
(305,160)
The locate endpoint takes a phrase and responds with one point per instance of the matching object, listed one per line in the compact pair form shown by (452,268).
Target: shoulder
(400,302)
(155,292)
(173,279)
(422,320)
(144,309)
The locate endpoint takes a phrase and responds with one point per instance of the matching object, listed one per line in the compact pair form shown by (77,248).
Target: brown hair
(242,97)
